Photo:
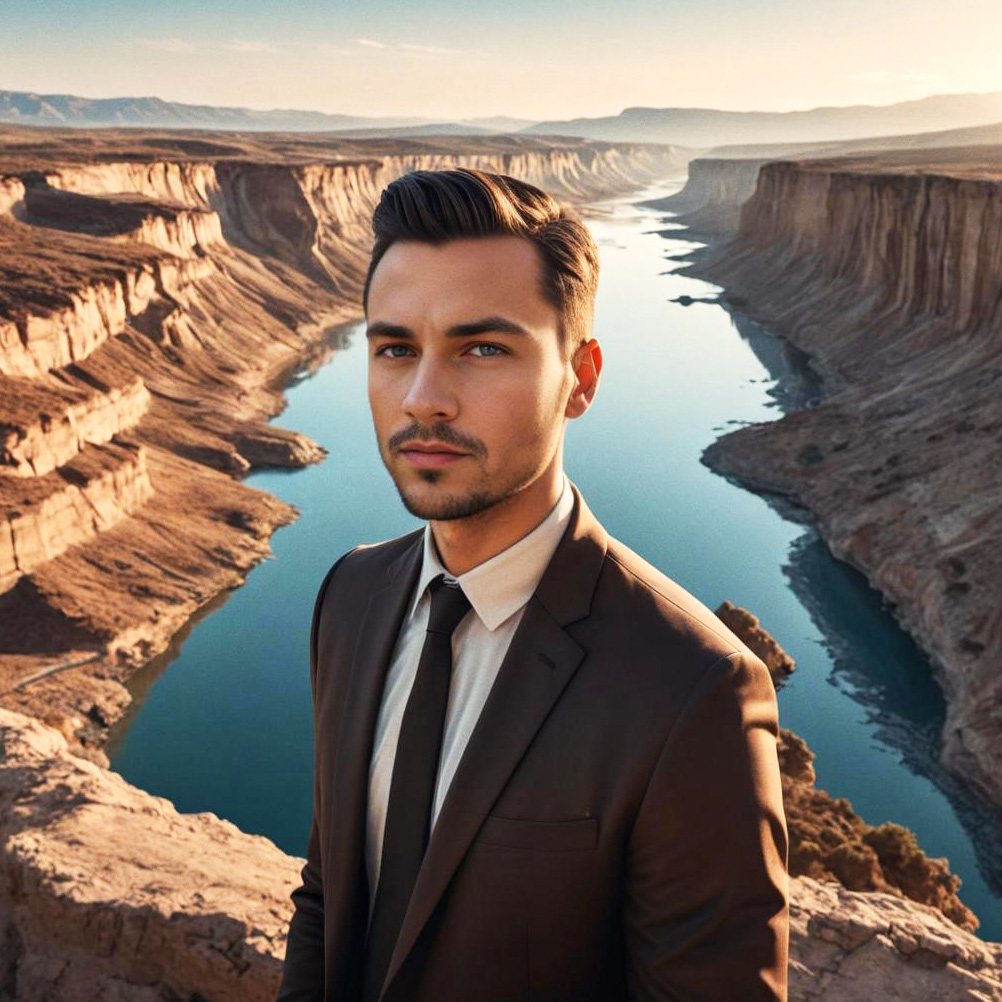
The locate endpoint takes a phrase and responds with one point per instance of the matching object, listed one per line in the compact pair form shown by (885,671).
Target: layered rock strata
(722,180)
(710,202)
(886,271)
(155,289)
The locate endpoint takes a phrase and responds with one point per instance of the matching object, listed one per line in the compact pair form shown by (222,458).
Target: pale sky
(534,59)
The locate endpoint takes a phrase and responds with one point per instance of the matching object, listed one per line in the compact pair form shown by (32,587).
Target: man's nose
(431,395)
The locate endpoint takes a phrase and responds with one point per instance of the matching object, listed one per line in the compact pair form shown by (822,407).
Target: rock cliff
(154,291)
(106,892)
(886,270)
(716,189)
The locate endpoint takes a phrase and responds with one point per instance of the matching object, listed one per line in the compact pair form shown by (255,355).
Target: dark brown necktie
(412,784)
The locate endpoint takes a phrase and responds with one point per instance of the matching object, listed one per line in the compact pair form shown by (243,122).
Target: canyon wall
(716,189)
(888,274)
(150,306)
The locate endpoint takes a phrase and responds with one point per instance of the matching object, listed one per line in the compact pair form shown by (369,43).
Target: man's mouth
(427,454)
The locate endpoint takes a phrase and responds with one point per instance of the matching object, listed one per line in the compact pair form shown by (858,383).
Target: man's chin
(435,502)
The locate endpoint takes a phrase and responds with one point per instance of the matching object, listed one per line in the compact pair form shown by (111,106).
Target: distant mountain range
(703,127)
(966,138)
(699,128)
(28,108)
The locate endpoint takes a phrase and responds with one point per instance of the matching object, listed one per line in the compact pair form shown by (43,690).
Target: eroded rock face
(108,892)
(717,188)
(149,306)
(46,425)
(886,272)
(851,947)
(89,495)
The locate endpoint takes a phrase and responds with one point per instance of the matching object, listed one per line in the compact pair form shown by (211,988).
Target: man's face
(468,380)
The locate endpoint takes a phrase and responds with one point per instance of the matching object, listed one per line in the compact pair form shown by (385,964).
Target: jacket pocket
(552,836)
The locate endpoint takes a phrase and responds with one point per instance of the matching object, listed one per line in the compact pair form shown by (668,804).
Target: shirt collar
(500,586)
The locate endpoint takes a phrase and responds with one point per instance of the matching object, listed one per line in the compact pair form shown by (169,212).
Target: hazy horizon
(575,58)
(483,115)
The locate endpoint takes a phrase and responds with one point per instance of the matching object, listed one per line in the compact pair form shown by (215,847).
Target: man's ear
(587,365)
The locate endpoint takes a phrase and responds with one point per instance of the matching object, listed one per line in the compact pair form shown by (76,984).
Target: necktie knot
(448,606)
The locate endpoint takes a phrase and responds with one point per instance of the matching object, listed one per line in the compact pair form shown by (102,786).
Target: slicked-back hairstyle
(435,206)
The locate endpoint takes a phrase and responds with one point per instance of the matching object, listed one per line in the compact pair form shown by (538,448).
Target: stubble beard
(448,507)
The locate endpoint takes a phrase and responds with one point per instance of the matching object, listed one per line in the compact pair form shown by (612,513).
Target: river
(222,721)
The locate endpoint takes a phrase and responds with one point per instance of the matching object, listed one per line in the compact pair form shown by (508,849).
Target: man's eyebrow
(380,328)
(498,325)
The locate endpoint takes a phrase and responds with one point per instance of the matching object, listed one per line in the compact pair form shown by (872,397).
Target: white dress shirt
(498,590)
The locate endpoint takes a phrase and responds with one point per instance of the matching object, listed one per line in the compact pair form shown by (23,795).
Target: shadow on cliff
(894,683)
(893,680)
(30,625)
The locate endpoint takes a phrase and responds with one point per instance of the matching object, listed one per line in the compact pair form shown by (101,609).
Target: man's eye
(391,350)
(489,350)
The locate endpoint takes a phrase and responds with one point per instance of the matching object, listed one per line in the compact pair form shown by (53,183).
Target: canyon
(156,292)
(885,269)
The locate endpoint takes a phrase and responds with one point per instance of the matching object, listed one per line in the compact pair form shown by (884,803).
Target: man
(543,770)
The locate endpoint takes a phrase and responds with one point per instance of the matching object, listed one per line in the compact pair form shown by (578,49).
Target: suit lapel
(346,822)
(540,661)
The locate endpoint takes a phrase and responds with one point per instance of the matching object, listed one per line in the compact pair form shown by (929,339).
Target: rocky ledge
(107,892)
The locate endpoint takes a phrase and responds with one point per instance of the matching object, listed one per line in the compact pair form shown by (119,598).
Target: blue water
(222,722)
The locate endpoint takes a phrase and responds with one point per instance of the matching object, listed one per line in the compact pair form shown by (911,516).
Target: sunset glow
(429,58)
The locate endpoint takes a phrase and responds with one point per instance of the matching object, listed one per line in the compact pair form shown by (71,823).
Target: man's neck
(463,543)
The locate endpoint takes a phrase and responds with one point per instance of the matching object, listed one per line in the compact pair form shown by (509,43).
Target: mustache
(439,432)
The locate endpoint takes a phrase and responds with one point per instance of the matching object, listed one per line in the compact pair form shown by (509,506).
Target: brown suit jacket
(615,828)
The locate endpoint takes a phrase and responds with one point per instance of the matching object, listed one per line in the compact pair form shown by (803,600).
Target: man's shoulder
(372,559)
(662,609)
(351,580)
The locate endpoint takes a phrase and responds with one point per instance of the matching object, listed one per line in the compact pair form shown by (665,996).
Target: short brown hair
(435,206)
